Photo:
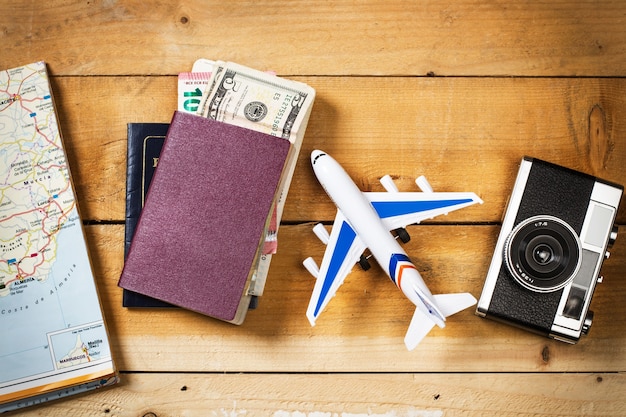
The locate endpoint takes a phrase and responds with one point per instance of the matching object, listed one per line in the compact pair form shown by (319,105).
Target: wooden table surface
(456,90)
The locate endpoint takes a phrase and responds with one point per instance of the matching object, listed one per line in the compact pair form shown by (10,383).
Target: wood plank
(379,395)
(567,37)
(363,327)
(464,134)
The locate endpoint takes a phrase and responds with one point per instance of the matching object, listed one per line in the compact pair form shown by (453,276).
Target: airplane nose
(316,154)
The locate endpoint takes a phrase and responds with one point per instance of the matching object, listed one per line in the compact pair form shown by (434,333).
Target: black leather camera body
(554,239)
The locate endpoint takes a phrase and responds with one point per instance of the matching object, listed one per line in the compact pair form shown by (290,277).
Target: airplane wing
(398,210)
(344,249)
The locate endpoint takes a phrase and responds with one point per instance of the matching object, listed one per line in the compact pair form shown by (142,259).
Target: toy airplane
(365,220)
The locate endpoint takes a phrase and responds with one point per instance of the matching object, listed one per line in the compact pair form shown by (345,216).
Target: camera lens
(543,253)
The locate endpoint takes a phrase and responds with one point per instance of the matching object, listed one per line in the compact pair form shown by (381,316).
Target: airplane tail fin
(421,323)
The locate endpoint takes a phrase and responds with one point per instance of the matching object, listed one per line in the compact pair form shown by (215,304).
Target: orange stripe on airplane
(401,270)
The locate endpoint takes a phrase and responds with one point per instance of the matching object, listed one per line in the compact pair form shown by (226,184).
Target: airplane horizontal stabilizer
(450,304)
(420,325)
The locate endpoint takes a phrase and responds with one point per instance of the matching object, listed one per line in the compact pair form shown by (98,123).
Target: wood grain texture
(350,395)
(363,328)
(464,134)
(563,38)
(458,91)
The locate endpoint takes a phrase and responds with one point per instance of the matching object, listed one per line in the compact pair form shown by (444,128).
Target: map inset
(49,309)
(79,345)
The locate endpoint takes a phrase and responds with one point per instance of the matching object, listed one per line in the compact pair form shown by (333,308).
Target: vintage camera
(554,238)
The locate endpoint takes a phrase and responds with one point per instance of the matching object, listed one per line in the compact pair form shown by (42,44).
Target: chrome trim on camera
(507,224)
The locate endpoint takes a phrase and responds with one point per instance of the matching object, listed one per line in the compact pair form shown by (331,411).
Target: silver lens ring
(543,253)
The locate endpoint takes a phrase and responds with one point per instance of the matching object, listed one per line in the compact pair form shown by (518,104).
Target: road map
(51,324)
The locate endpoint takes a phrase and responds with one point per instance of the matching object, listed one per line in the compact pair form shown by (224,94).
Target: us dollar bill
(256,100)
(265,103)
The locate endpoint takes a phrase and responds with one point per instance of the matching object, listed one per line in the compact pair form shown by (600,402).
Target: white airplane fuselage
(365,221)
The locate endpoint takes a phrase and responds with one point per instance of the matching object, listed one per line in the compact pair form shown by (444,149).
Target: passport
(145,141)
(200,233)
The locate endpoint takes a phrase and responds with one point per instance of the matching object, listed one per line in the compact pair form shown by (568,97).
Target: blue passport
(145,141)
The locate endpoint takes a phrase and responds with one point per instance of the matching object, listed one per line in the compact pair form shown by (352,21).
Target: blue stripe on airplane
(344,242)
(396,258)
(397,208)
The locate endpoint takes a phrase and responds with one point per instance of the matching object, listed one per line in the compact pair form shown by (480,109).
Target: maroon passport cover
(204,216)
